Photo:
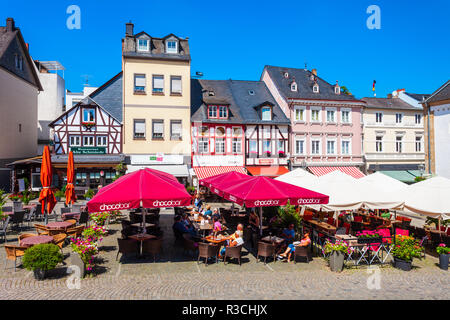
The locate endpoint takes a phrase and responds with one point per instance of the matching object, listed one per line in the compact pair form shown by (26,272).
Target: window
(139,83)
(398,144)
(102,141)
(331,147)
(378,117)
(398,118)
(379,144)
(220,145)
(171,46)
(299,146)
(316,88)
(253,147)
(237,132)
(266,113)
(81,179)
(220,131)
(266,146)
(315,115)
(280,146)
(158,84)
(203,145)
(88,141)
(299,113)
(204,130)
(293,86)
(143,44)
(175,85)
(345,147)
(345,116)
(418,118)
(75,141)
(89,115)
(223,112)
(212,112)
(337,90)
(418,144)
(139,128)
(331,116)
(158,129)
(74,102)
(19,62)
(20,127)
(237,145)
(315,147)
(175,129)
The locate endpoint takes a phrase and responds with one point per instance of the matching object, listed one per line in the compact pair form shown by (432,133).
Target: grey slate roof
(417,96)
(304,85)
(109,96)
(235,93)
(443,93)
(388,103)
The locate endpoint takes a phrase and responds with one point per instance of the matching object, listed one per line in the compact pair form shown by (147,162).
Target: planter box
(75,260)
(336,261)
(402,264)
(370,240)
(39,274)
(443,261)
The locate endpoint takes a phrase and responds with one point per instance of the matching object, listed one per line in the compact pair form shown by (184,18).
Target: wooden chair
(72,221)
(152,247)
(303,252)
(127,246)
(233,252)
(4,228)
(206,250)
(75,232)
(265,250)
(14,252)
(41,229)
(17,218)
(59,239)
(25,235)
(84,218)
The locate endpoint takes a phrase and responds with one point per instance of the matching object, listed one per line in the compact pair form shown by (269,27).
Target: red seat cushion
(358,219)
(402,232)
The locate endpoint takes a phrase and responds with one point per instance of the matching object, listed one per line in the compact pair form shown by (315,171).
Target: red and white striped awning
(351,171)
(206,172)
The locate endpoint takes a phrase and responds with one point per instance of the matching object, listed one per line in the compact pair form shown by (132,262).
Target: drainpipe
(428,138)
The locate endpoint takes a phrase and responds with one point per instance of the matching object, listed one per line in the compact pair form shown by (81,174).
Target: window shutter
(139,127)
(158,127)
(176,84)
(176,128)
(139,81)
(158,82)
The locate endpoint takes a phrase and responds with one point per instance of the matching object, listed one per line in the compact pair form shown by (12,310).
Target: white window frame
(88,121)
(158,121)
(401,117)
(134,128)
(349,110)
(99,139)
(74,145)
(300,108)
(147,47)
(319,147)
(172,51)
(418,115)
(221,143)
(304,146)
(334,147)
(88,145)
(381,143)
(140,75)
(153,83)
(334,110)
(171,85)
(293,86)
(399,143)
(420,143)
(319,109)
(172,135)
(269,111)
(349,147)
(316,88)
(234,143)
(376,117)
(201,145)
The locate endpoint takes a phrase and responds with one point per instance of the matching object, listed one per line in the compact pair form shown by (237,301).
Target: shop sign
(88,150)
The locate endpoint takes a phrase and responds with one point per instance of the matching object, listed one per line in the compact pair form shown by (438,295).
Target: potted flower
(367,236)
(83,254)
(404,251)
(281,154)
(99,218)
(444,256)
(59,194)
(42,258)
(268,153)
(94,232)
(337,251)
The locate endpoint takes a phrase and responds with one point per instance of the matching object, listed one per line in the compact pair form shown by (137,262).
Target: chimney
(10,24)
(28,46)
(129,29)
(314,72)
(389,95)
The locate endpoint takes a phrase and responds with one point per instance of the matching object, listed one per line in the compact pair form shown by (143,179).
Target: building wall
(409,130)
(261,133)
(149,106)
(442,139)
(429,142)
(18,105)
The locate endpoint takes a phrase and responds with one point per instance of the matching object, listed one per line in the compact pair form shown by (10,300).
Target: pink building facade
(326,127)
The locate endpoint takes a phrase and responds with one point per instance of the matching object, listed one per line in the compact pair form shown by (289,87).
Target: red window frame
(217,112)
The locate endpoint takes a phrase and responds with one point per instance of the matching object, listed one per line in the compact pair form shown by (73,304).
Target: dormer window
(217,112)
(316,88)
(266,113)
(172,46)
(337,88)
(286,75)
(143,45)
(294,86)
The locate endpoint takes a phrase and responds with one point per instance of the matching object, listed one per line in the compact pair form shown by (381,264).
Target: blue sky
(235,39)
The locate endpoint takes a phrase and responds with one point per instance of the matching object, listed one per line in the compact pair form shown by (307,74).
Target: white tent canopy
(300,178)
(384,182)
(430,197)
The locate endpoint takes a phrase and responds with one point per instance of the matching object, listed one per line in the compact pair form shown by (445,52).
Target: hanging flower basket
(88,125)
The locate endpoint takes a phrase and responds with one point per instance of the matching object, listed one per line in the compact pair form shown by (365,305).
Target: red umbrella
(70,191)
(46,195)
(223,181)
(266,192)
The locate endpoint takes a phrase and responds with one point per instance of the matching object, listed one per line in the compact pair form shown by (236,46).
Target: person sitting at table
(198,202)
(181,227)
(237,241)
(208,212)
(288,234)
(291,247)
(216,213)
(217,225)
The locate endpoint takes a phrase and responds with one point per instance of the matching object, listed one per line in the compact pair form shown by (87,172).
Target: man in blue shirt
(288,234)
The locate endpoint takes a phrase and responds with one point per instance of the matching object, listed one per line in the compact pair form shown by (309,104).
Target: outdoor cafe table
(140,237)
(217,240)
(31,241)
(273,239)
(323,225)
(59,225)
(71,215)
(205,227)
(139,224)
(351,240)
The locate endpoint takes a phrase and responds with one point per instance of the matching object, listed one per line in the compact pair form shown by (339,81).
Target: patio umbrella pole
(260,221)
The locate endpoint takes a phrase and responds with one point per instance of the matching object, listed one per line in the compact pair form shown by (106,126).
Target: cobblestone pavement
(177,276)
